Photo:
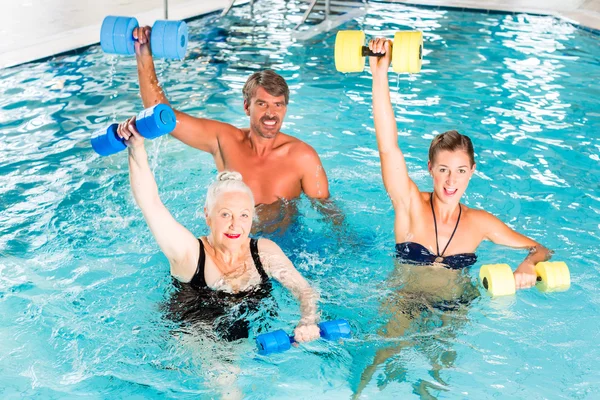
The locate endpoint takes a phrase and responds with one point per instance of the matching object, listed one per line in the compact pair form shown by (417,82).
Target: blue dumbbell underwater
(150,123)
(278,341)
(168,39)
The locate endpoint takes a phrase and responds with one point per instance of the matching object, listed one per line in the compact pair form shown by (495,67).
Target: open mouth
(269,123)
(232,235)
(450,191)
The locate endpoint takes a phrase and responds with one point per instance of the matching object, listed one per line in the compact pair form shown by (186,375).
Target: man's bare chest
(269,178)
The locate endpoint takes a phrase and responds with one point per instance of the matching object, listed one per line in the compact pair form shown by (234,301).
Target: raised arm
(200,133)
(177,243)
(278,266)
(401,189)
(498,232)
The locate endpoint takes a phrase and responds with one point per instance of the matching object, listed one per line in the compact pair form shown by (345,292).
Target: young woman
(435,228)
(436,236)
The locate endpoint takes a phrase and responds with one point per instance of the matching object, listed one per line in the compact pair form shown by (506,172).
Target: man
(274,165)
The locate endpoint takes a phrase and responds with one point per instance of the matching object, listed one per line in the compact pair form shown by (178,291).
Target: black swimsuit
(416,253)
(227,312)
(198,281)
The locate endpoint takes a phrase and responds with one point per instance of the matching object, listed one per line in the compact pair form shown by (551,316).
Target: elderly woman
(436,236)
(226,267)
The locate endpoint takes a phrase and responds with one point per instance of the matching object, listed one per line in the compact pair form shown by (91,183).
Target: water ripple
(82,280)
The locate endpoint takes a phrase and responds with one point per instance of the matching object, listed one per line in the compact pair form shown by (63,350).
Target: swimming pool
(82,281)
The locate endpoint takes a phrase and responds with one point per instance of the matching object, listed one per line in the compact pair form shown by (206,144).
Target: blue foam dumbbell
(278,341)
(150,123)
(168,39)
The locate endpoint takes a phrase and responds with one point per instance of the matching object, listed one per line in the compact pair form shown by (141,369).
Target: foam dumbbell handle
(151,123)
(279,341)
(366,52)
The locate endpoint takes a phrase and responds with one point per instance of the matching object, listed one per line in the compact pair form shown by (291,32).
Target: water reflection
(79,268)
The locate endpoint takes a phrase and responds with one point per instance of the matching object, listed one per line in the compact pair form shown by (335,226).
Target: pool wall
(35,29)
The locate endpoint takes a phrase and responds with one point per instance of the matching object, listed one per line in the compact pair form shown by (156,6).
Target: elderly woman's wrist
(137,153)
(308,320)
(137,149)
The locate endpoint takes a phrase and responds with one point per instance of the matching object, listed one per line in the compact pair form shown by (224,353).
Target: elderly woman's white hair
(226,182)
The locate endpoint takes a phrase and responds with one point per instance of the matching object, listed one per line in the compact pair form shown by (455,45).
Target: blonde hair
(226,182)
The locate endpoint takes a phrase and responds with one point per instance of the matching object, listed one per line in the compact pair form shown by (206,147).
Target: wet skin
(274,165)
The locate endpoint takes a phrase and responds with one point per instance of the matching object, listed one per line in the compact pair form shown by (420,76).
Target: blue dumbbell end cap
(273,342)
(156,121)
(116,35)
(167,118)
(106,34)
(334,330)
(106,142)
(169,39)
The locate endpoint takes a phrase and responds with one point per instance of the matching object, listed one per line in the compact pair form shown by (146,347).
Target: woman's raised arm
(401,189)
(177,243)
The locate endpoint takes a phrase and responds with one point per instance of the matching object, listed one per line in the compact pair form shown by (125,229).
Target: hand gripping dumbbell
(168,39)
(498,279)
(350,51)
(278,341)
(150,123)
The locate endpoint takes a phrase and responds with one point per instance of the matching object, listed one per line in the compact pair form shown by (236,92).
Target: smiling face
(266,113)
(451,172)
(230,220)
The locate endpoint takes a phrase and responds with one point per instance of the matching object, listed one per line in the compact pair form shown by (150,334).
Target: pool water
(82,281)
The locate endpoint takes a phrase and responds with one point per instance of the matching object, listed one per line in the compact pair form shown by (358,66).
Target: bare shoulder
(268,246)
(297,149)
(484,221)
(234,133)
(478,214)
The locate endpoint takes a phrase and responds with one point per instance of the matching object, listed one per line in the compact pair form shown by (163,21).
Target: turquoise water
(82,281)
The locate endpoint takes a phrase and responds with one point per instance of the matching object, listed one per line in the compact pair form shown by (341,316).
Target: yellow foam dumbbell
(350,51)
(498,279)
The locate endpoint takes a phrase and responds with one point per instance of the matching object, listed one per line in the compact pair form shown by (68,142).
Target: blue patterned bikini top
(416,253)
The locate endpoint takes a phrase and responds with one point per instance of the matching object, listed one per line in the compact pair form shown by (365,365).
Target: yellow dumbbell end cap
(498,279)
(348,51)
(407,52)
(553,276)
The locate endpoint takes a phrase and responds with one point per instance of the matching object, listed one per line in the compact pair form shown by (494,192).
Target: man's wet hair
(268,79)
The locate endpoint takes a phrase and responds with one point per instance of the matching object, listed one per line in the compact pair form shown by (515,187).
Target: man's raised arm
(200,133)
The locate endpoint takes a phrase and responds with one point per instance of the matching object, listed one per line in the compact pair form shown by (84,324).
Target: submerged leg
(217,360)
(438,350)
(403,314)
